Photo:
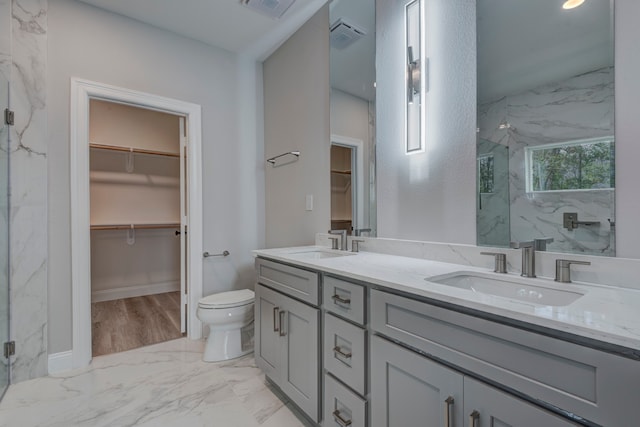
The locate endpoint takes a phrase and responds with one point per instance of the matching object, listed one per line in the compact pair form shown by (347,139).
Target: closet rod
(133,150)
(134,226)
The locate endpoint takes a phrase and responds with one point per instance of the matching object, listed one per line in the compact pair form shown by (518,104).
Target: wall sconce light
(415,78)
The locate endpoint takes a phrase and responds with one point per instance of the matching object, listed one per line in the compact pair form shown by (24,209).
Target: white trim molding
(60,362)
(346,141)
(132,291)
(82,91)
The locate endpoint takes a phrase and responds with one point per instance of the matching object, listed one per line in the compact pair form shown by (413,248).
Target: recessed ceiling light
(570,4)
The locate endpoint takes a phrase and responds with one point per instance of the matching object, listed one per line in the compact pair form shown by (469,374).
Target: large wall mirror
(545,140)
(353,100)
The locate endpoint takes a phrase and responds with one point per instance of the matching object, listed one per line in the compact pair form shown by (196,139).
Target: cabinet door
(299,374)
(410,390)
(487,406)
(268,344)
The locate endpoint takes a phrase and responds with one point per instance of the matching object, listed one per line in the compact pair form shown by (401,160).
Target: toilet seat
(227,299)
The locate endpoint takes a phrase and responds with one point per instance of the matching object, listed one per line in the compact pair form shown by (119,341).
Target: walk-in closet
(341,188)
(137,248)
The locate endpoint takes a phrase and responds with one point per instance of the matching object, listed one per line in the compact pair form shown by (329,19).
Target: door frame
(82,91)
(357,146)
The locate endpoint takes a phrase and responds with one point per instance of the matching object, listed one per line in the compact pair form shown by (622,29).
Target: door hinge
(8,117)
(9,349)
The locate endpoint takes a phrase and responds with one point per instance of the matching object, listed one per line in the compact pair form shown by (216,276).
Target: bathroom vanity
(379,340)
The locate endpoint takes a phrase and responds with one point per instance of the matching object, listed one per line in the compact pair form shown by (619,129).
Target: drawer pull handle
(276,327)
(338,298)
(447,414)
(340,420)
(473,418)
(338,350)
(282,333)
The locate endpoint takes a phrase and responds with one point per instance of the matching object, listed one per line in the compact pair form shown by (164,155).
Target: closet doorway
(136,188)
(137,191)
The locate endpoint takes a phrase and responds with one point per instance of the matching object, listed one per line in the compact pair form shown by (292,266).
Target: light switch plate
(309,202)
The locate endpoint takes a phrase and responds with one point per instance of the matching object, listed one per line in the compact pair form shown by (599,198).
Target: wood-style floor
(125,324)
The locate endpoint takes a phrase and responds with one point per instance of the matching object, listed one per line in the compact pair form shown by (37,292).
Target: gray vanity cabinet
(410,390)
(488,406)
(286,347)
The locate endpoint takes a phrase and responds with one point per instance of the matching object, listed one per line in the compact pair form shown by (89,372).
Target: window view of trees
(573,166)
(485,172)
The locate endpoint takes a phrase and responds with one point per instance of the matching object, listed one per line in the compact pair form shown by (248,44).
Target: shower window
(485,174)
(574,165)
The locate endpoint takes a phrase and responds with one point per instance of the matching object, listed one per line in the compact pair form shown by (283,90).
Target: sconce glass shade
(414,77)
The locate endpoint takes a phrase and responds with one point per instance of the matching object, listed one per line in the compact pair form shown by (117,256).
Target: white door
(183,227)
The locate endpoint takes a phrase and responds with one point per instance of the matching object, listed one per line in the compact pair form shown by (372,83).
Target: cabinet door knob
(447,414)
(474,417)
(340,420)
(276,327)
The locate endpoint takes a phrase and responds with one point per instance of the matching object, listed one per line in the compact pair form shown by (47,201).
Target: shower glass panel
(5,70)
(493,194)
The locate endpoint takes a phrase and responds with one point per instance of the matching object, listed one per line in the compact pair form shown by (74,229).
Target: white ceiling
(223,23)
(524,44)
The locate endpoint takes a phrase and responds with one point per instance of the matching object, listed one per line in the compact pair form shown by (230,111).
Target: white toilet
(229,316)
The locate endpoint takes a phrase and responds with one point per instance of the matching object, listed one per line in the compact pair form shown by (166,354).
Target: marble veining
(605,313)
(166,384)
(576,108)
(28,214)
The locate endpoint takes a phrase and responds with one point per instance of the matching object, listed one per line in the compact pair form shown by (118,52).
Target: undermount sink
(508,287)
(320,254)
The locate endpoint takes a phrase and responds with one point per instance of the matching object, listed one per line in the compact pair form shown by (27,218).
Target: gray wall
(296,99)
(96,45)
(627,90)
(431,195)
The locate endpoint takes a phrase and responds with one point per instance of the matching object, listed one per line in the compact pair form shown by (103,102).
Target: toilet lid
(228,299)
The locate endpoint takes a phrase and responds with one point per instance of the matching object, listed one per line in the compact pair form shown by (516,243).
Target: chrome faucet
(343,238)
(528,257)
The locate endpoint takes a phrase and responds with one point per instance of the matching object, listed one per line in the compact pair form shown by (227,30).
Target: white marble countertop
(604,313)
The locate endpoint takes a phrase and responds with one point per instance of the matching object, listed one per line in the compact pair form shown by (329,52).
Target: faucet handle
(563,269)
(521,245)
(354,244)
(500,261)
(541,244)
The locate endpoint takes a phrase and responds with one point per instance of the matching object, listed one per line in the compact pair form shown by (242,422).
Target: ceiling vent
(344,34)
(272,8)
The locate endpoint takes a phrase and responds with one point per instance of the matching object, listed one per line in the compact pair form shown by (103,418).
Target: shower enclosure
(5,72)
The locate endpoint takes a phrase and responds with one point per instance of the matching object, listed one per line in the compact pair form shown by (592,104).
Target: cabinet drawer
(298,283)
(577,379)
(344,298)
(342,407)
(345,352)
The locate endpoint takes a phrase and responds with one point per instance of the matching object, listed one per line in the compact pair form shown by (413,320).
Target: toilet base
(227,344)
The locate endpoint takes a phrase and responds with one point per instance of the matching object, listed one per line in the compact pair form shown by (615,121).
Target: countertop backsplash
(622,272)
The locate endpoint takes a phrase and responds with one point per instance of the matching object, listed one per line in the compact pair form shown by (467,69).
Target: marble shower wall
(28,214)
(577,108)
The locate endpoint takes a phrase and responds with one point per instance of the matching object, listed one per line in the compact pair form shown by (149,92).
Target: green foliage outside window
(573,166)
(485,172)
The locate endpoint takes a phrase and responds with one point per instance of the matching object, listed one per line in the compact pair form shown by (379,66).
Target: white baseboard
(134,291)
(60,362)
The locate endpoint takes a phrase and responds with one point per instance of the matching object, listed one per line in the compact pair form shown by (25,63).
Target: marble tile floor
(129,323)
(165,384)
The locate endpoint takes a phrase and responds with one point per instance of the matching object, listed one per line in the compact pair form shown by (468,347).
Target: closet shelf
(341,172)
(133,226)
(132,150)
